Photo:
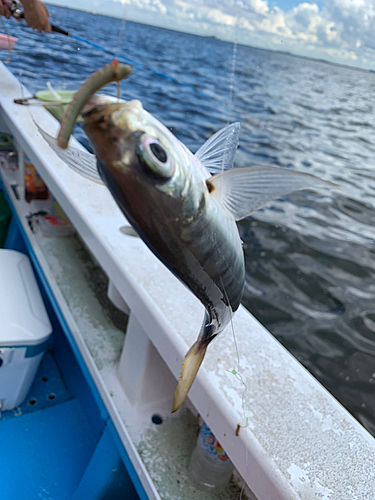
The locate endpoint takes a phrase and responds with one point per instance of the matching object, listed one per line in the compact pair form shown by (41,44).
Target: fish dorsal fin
(217,154)
(82,162)
(242,191)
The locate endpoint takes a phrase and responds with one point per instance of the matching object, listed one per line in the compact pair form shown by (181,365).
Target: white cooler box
(24,328)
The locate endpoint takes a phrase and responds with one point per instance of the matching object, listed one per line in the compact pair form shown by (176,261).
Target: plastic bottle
(210,467)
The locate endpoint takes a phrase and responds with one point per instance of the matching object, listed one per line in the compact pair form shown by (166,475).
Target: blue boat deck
(47,390)
(47,445)
(60,443)
(51,450)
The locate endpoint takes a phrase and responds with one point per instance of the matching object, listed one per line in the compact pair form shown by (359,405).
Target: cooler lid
(23,317)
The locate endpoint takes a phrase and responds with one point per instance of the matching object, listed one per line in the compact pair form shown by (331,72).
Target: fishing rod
(15,7)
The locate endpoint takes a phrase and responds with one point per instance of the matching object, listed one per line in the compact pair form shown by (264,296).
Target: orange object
(35,189)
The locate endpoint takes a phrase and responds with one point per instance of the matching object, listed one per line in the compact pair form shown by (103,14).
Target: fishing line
(239,6)
(235,372)
(243,485)
(138,64)
(121,34)
(230,112)
(231,83)
(120,38)
(238,376)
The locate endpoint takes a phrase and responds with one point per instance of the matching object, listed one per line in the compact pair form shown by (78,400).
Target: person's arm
(36,15)
(4,10)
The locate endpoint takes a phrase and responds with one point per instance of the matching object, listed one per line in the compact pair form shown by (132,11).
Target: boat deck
(47,438)
(50,443)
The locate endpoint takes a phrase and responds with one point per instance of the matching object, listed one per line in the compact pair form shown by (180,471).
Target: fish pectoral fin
(217,154)
(242,191)
(189,370)
(82,162)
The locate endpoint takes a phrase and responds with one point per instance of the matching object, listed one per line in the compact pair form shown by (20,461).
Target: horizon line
(216,38)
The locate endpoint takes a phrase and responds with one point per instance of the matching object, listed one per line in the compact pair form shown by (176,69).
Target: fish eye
(155,157)
(159,152)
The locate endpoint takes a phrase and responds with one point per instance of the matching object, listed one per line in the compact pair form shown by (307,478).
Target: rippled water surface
(310,257)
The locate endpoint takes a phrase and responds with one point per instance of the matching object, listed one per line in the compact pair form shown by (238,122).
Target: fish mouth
(92,103)
(105,109)
(95,104)
(101,101)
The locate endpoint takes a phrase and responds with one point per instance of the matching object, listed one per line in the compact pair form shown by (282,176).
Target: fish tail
(189,370)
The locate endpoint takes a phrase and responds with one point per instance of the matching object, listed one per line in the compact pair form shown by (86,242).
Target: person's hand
(36,15)
(4,10)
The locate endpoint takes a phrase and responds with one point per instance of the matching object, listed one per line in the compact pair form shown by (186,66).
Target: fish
(184,206)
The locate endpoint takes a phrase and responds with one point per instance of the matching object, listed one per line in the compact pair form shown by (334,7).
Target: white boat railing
(286,435)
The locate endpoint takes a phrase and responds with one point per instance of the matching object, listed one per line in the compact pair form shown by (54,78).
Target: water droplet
(263,254)
(373,375)
(347,378)
(371,380)
(363,405)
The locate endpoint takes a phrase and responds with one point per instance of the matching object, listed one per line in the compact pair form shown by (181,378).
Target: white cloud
(259,6)
(216,16)
(304,14)
(341,30)
(244,24)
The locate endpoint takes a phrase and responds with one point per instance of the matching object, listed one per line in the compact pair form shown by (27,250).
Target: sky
(341,31)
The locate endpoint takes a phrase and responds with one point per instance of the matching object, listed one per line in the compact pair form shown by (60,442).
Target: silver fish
(183,206)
